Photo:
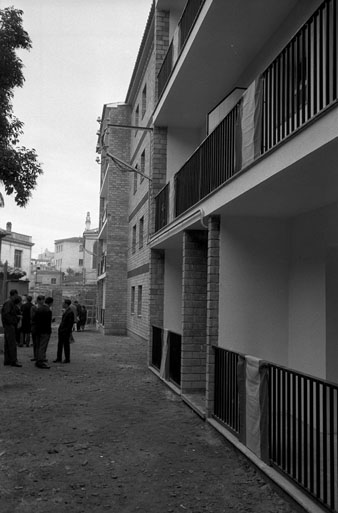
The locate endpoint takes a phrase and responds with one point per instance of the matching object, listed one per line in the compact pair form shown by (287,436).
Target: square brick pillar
(212,307)
(156,294)
(194,312)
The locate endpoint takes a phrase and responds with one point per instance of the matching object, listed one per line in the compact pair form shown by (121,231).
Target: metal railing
(156,349)
(162,208)
(226,399)
(165,70)
(299,84)
(303,423)
(303,79)
(213,163)
(174,341)
(185,25)
(188,19)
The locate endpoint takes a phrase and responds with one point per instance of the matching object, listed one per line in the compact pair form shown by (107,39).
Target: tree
(19,166)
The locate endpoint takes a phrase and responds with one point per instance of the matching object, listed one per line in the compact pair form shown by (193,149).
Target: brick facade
(116,238)
(212,307)
(194,311)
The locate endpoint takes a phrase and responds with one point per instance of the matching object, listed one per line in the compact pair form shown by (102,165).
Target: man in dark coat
(43,326)
(26,321)
(64,333)
(9,317)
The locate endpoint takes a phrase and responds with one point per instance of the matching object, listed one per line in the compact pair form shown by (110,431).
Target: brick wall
(117,226)
(194,311)
(212,306)
(156,292)
(161,40)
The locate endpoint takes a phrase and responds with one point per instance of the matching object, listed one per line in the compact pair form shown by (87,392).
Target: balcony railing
(212,164)
(302,80)
(303,432)
(165,70)
(161,208)
(185,25)
(226,400)
(300,83)
(156,350)
(174,341)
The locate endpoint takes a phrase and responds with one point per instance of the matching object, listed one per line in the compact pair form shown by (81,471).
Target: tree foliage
(19,166)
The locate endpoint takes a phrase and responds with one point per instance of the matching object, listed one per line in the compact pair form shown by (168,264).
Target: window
(139,301)
(80,262)
(17,258)
(140,235)
(143,165)
(144,100)
(133,247)
(132,303)
(81,247)
(137,117)
(135,181)
(53,281)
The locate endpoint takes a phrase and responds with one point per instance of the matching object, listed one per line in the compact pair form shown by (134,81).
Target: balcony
(180,37)
(293,91)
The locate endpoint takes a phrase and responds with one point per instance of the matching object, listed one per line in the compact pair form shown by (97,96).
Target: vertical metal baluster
(283,409)
(319,413)
(300,439)
(288,428)
(331,449)
(334,50)
(328,69)
(305,432)
(321,61)
(311,434)
(325,444)
(294,425)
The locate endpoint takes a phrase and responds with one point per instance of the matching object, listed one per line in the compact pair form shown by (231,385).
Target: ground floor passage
(103,433)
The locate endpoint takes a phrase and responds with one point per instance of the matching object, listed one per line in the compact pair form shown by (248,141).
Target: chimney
(9,227)
(88,221)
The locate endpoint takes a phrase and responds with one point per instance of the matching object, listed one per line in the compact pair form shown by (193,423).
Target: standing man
(9,317)
(26,321)
(64,332)
(43,327)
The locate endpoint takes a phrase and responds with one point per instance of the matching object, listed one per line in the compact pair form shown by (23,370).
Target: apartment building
(240,269)
(243,270)
(69,254)
(125,160)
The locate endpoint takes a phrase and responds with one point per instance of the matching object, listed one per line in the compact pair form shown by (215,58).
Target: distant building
(69,254)
(16,249)
(90,252)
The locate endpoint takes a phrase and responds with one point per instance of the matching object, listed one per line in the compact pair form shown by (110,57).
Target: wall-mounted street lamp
(121,164)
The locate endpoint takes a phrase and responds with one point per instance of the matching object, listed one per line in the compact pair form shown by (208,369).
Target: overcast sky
(83,56)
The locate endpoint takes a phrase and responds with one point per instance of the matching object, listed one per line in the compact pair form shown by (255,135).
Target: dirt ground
(104,434)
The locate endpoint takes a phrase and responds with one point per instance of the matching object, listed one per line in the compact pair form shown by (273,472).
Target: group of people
(23,321)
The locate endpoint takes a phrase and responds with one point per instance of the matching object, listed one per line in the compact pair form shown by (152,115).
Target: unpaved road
(104,434)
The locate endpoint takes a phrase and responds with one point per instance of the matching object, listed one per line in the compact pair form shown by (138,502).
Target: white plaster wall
(276,295)
(7,254)
(181,144)
(254,287)
(70,256)
(313,234)
(172,318)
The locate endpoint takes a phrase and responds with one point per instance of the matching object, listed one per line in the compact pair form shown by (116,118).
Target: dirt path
(104,434)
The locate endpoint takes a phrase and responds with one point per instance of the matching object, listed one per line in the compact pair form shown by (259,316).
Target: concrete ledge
(284,484)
